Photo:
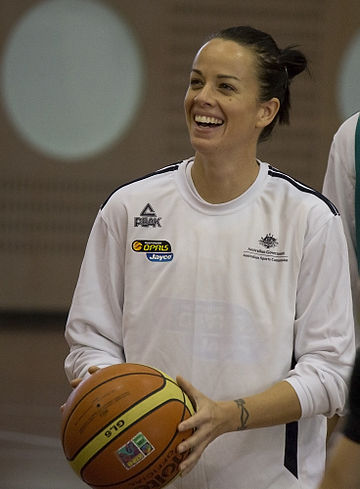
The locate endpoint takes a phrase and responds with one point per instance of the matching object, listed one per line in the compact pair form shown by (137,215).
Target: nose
(205,95)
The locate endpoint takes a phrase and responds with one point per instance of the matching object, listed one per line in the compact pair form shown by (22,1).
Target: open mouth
(204,121)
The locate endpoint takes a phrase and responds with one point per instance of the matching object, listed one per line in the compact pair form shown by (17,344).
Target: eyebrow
(217,76)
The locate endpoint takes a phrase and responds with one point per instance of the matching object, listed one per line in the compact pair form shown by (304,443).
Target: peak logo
(147,218)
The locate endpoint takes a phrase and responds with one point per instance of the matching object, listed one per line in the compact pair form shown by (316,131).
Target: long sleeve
(324,337)
(339,187)
(93,329)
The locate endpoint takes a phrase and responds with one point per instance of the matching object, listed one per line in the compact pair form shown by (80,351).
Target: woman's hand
(277,405)
(210,420)
(75,382)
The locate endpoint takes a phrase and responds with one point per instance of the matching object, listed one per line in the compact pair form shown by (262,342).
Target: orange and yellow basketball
(119,427)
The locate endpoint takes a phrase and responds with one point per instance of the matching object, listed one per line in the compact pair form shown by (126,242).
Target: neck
(221,181)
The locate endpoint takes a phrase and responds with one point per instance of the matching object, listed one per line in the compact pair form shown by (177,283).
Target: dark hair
(276,68)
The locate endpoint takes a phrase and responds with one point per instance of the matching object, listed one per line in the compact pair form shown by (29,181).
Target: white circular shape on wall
(349,79)
(72,77)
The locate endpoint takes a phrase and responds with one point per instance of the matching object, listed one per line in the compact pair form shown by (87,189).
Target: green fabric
(357,190)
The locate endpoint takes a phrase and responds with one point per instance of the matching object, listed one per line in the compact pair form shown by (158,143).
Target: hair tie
(286,77)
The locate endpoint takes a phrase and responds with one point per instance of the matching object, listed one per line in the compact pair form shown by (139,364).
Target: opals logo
(143,246)
(156,251)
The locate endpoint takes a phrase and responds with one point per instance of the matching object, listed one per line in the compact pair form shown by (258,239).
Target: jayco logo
(147,218)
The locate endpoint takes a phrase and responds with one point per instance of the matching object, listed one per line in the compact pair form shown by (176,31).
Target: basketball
(119,427)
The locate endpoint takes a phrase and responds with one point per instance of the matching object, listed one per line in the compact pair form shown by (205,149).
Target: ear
(267,112)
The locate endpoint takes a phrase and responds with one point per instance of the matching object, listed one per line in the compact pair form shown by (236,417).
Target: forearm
(277,405)
(343,469)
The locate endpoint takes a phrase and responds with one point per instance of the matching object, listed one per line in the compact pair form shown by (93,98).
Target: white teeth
(207,120)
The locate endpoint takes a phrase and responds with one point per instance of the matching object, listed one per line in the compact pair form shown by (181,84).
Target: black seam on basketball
(155,374)
(110,421)
(145,468)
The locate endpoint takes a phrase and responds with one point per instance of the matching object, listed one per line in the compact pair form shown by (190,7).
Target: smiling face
(222,107)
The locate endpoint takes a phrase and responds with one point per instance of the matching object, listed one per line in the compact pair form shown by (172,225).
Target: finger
(75,382)
(189,423)
(93,369)
(184,384)
(189,389)
(190,461)
(197,439)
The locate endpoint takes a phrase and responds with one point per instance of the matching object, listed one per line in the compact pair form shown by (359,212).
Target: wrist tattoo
(244,414)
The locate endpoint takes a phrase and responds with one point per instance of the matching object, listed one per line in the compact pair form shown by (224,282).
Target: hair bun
(293,61)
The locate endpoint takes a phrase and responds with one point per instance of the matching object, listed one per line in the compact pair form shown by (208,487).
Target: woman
(340,186)
(343,469)
(226,271)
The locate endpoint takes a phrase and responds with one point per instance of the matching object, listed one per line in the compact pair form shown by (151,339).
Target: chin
(201,141)
(204,147)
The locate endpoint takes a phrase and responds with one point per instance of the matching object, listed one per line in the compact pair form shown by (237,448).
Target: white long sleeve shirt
(234,297)
(339,186)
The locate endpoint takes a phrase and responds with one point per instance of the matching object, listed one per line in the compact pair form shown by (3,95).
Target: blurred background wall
(91,97)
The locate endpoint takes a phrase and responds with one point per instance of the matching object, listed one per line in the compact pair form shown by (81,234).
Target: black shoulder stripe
(166,169)
(303,188)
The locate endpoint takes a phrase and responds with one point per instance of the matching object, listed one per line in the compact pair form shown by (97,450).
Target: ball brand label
(134,451)
(163,472)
